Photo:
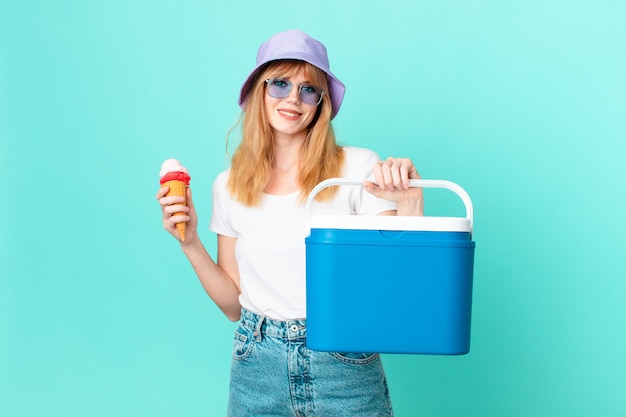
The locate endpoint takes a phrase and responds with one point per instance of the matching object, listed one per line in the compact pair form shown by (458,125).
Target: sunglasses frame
(291,85)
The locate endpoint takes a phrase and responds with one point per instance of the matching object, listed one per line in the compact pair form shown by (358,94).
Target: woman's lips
(289,114)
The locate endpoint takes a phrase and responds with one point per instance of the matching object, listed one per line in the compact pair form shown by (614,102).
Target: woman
(288,146)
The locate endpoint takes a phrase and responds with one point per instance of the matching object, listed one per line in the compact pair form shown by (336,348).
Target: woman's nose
(294,94)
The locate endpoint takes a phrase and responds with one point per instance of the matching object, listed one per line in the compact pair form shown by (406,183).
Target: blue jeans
(274,374)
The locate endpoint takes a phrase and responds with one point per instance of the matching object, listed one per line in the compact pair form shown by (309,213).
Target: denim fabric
(274,374)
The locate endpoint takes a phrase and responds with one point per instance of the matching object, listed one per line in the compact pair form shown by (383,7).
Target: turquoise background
(522,103)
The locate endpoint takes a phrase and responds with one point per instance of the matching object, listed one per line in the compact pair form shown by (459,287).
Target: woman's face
(289,117)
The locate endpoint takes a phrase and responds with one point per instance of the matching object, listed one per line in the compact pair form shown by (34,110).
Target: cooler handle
(449,185)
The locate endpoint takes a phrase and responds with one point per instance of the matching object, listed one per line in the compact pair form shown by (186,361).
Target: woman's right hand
(175,204)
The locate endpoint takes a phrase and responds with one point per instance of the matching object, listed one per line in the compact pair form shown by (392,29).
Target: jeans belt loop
(258,335)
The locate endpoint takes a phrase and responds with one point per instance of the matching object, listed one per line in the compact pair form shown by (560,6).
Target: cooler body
(389,291)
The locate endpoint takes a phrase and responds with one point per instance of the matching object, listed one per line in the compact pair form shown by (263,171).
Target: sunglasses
(281,87)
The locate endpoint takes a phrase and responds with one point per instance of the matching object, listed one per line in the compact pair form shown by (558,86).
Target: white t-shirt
(270,248)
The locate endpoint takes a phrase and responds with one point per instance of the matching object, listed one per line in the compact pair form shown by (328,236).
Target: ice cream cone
(176,176)
(179,189)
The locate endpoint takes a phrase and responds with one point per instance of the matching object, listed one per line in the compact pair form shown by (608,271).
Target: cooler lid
(410,223)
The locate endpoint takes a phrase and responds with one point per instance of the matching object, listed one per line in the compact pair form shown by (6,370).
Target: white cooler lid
(409,223)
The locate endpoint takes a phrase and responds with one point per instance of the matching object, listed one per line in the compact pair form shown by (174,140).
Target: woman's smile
(289,114)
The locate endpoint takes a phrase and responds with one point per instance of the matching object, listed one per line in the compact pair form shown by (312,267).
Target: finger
(404,176)
(172,209)
(171,219)
(408,172)
(387,175)
(170,200)
(378,175)
(189,199)
(413,174)
(161,193)
(370,187)
(165,200)
(396,174)
(170,225)
(179,218)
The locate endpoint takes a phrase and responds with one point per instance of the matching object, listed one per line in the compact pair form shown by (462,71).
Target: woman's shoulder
(222,178)
(356,153)
(359,162)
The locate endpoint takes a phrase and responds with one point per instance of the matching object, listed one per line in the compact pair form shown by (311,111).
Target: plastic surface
(452,224)
(449,185)
(389,291)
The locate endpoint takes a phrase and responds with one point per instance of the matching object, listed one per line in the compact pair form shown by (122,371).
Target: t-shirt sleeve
(221,198)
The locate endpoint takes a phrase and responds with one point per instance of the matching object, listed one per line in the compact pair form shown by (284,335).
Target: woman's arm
(220,280)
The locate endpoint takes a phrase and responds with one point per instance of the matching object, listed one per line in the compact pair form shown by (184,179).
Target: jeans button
(294,328)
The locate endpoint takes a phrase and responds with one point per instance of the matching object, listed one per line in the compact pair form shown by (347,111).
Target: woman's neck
(284,176)
(287,151)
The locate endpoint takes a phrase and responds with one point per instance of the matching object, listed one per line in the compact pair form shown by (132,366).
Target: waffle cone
(178,188)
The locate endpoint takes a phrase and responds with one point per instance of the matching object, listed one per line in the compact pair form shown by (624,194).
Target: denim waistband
(290,329)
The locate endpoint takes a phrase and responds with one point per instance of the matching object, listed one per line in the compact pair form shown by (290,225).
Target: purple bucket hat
(295,44)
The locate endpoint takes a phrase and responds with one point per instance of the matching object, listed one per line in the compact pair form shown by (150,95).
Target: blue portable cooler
(389,284)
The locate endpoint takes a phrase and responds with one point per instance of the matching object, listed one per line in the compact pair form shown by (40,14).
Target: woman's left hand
(392,183)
